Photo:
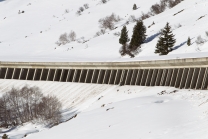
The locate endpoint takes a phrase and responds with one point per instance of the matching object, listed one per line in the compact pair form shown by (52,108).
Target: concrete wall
(180,73)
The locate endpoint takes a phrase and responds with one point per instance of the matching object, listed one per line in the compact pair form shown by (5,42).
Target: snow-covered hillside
(115,112)
(31,36)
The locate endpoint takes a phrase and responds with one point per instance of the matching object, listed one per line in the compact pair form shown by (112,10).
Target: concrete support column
(80,75)
(178,79)
(112,77)
(174,77)
(34,74)
(54,77)
(184,78)
(134,77)
(95,76)
(41,74)
(144,77)
(6,73)
(68,75)
(62,73)
(75,74)
(139,77)
(189,78)
(118,77)
(159,76)
(169,75)
(194,79)
(89,76)
(101,76)
(13,73)
(20,74)
(48,74)
(205,79)
(149,77)
(9,73)
(27,74)
(154,77)
(200,78)
(164,77)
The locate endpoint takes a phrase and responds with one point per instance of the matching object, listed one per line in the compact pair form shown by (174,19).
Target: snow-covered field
(31,36)
(115,112)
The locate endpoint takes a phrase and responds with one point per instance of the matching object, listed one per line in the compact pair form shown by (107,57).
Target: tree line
(163,47)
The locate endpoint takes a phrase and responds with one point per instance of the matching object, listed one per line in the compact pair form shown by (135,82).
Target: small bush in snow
(63,39)
(108,21)
(72,36)
(103,1)
(81,9)
(172,3)
(86,6)
(66,10)
(78,13)
(200,40)
(132,18)
(134,7)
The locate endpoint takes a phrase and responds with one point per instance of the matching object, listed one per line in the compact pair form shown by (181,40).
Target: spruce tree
(139,36)
(166,41)
(134,7)
(124,36)
(189,41)
(4,136)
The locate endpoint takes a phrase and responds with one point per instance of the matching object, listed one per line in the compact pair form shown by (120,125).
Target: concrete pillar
(34,74)
(159,76)
(118,77)
(194,79)
(107,76)
(13,73)
(68,75)
(20,74)
(174,77)
(93,73)
(6,73)
(205,79)
(9,73)
(80,75)
(101,76)
(57,75)
(75,74)
(23,75)
(89,76)
(44,74)
(134,77)
(139,77)
(95,76)
(83,76)
(27,74)
(154,76)
(200,78)
(129,77)
(164,77)
(121,82)
(124,76)
(30,74)
(113,75)
(41,74)
(189,78)
(178,79)
(184,78)
(169,75)
(149,77)
(61,76)
(71,75)
(144,77)
(37,74)
(48,74)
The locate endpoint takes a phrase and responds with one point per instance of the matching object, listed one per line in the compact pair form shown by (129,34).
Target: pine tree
(134,7)
(166,41)
(189,41)
(139,36)
(4,136)
(124,36)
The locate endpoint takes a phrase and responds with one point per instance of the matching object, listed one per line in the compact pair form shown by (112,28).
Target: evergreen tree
(139,36)
(189,41)
(124,36)
(4,136)
(134,7)
(166,41)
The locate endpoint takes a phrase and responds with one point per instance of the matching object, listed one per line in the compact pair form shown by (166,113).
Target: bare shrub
(66,10)
(99,33)
(78,13)
(81,9)
(86,6)
(108,22)
(63,39)
(172,3)
(145,16)
(72,36)
(18,106)
(103,1)
(200,40)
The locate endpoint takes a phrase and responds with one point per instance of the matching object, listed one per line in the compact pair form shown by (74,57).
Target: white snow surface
(129,112)
(21,39)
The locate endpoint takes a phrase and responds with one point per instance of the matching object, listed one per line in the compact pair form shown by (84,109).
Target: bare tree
(63,39)
(108,21)
(72,36)
(86,6)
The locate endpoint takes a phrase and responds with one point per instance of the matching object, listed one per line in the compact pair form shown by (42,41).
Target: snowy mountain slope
(31,36)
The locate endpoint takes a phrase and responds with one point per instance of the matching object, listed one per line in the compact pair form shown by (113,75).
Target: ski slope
(31,36)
